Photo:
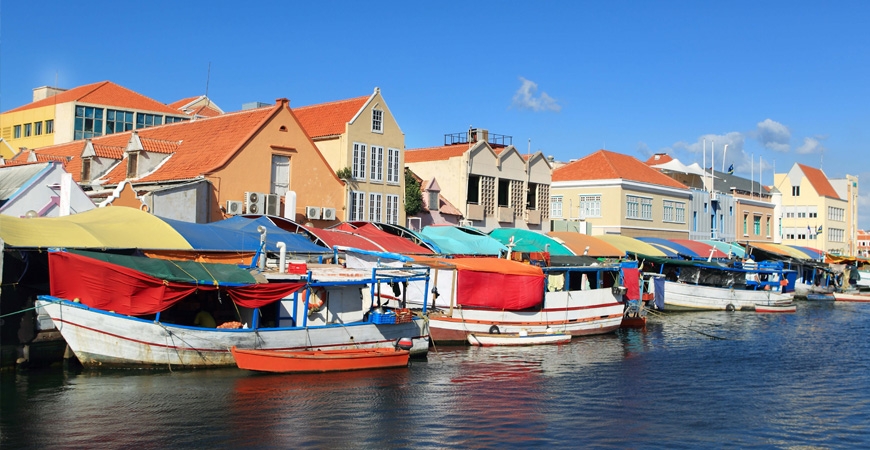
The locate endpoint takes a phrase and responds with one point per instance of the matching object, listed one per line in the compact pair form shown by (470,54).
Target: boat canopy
(519,285)
(389,242)
(780,249)
(135,285)
(115,227)
(529,241)
(240,234)
(454,241)
(727,248)
(811,252)
(631,245)
(670,249)
(578,244)
(702,249)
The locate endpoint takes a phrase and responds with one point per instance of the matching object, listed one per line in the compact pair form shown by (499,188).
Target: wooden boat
(820,297)
(103,331)
(788,307)
(308,361)
(851,297)
(517,339)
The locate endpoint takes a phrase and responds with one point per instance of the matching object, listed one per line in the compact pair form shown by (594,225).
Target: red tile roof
(201,145)
(819,181)
(108,151)
(658,158)
(206,110)
(178,104)
(604,165)
(329,119)
(103,93)
(435,153)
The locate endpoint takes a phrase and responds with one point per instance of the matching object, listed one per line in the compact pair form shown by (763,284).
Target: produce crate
(387,317)
(404,315)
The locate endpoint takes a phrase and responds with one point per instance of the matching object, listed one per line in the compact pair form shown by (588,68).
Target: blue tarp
(454,241)
(672,250)
(240,234)
(659,287)
(529,241)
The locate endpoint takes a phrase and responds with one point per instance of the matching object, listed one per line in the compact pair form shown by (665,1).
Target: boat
(854,297)
(517,339)
(788,307)
(129,311)
(308,361)
(820,297)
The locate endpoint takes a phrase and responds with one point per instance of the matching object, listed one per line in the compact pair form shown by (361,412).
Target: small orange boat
(308,361)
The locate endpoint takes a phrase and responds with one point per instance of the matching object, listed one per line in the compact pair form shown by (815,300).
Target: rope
(27,309)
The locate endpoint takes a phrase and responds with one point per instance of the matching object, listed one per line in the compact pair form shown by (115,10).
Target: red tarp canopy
(110,287)
(702,249)
(494,283)
(333,237)
(390,242)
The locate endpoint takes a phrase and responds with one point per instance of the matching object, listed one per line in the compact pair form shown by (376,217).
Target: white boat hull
(693,297)
(100,338)
(578,313)
(517,339)
(850,297)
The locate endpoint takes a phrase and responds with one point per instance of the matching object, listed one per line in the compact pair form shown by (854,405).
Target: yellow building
(813,213)
(618,194)
(58,116)
(361,136)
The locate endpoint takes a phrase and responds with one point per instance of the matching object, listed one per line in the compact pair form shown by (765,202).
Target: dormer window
(377,121)
(86,169)
(433,201)
(132,164)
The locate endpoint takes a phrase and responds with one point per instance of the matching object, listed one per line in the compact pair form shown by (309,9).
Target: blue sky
(782,81)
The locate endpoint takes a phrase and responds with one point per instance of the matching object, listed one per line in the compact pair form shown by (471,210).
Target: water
(691,380)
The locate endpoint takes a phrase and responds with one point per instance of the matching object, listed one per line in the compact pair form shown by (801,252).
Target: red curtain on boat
(111,287)
(499,290)
(631,280)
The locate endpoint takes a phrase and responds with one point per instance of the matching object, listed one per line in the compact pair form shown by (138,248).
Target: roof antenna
(207,79)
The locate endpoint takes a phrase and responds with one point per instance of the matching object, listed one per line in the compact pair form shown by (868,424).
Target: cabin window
(377,121)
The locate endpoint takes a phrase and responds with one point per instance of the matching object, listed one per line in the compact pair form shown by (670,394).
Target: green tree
(413,195)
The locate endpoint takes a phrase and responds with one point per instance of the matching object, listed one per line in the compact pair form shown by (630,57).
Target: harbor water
(690,380)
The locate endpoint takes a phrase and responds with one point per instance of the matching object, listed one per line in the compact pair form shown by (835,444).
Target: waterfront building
(863,243)
(612,193)
(361,141)
(40,189)
(813,212)
(436,210)
(489,181)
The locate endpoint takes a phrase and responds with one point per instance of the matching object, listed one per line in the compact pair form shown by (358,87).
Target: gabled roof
(189,106)
(444,206)
(200,146)
(435,153)
(658,158)
(329,119)
(819,181)
(108,151)
(102,93)
(605,165)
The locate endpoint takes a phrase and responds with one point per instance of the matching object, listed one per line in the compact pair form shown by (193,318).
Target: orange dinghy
(307,361)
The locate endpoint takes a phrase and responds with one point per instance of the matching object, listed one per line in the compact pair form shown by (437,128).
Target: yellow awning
(780,249)
(577,243)
(100,228)
(631,245)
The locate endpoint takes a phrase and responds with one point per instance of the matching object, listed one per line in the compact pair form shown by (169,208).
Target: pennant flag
(819,230)
(731,169)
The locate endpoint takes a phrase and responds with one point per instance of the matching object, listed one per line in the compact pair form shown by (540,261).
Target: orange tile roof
(658,158)
(202,145)
(435,153)
(329,119)
(819,181)
(604,165)
(203,111)
(103,93)
(178,104)
(108,151)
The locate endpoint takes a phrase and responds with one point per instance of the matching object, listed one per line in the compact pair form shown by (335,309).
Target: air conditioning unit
(234,207)
(273,204)
(255,202)
(328,213)
(312,212)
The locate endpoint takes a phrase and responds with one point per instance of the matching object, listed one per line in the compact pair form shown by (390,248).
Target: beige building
(489,180)
(611,193)
(362,143)
(847,188)
(813,212)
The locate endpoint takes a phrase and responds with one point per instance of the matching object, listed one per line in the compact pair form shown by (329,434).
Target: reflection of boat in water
(515,339)
(123,316)
(307,361)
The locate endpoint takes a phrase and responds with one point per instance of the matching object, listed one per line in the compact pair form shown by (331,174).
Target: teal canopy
(726,248)
(456,241)
(529,241)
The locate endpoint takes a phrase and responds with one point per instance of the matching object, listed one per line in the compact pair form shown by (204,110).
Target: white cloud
(714,142)
(524,98)
(773,135)
(811,145)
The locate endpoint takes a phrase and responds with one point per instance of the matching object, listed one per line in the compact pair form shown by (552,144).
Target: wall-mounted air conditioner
(235,207)
(255,202)
(328,213)
(312,212)
(273,204)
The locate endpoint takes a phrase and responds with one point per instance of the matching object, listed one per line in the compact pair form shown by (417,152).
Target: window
(746,224)
(556,207)
(280,182)
(590,205)
(392,209)
(532,197)
(37,128)
(375,207)
(433,200)
(148,120)
(170,119)
(813,215)
(118,121)
(473,194)
(681,212)
(17,131)
(644,204)
(88,122)
(767,226)
(632,207)
(357,205)
(836,213)
(393,165)
(756,225)
(359,161)
(504,192)
(795,191)
(27,129)
(49,126)
(132,164)
(377,164)
(86,169)
(377,121)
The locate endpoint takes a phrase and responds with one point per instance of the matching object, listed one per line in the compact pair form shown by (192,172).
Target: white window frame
(393,165)
(556,206)
(375,207)
(590,205)
(378,121)
(357,205)
(392,209)
(359,161)
(681,212)
(377,166)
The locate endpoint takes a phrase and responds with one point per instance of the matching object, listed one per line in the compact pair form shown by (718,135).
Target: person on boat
(204,319)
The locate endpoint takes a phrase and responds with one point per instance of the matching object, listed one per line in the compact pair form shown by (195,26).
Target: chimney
(45,92)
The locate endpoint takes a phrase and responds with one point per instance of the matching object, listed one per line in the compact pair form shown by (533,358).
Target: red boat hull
(279,361)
